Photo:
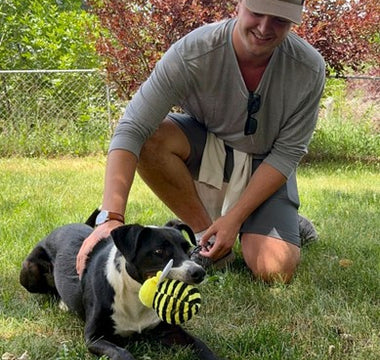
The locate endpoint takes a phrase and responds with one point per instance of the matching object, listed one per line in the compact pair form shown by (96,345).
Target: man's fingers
(83,255)
(81,264)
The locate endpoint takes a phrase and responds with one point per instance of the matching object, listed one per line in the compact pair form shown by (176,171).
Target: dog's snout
(188,272)
(197,274)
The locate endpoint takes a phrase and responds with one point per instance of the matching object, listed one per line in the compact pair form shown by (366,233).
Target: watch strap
(106,215)
(115,216)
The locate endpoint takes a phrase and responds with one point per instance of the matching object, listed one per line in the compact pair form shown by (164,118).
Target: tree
(344,31)
(45,34)
(137,32)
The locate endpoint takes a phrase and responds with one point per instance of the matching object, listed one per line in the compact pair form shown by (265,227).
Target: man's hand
(265,181)
(226,231)
(99,233)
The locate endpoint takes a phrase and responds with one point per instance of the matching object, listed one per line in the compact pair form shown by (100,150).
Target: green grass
(50,140)
(331,310)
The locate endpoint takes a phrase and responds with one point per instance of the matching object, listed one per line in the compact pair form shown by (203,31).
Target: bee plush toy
(174,301)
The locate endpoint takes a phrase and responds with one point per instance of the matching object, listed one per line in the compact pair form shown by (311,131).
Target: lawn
(331,310)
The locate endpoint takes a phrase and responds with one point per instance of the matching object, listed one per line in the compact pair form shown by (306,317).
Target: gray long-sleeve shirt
(200,73)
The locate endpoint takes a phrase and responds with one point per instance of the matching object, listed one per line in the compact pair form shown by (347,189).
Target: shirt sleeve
(294,137)
(164,88)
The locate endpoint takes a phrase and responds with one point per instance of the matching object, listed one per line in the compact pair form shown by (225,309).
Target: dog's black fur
(106,297)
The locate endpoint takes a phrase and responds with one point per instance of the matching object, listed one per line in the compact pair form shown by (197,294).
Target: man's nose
(265,25)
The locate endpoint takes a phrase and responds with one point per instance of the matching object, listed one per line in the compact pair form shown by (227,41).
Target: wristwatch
(106,215)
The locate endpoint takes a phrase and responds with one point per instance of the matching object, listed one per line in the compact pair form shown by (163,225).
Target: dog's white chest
(129,314)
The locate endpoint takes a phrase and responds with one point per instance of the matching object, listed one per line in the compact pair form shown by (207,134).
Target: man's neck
(246,58)
(252,75)
(251,66)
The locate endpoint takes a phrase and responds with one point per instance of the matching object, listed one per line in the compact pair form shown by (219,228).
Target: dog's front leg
(94,331)
(174,335)
(104,347)
(202,350)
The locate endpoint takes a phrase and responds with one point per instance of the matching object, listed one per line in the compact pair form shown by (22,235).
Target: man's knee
(270,274)
(270,259)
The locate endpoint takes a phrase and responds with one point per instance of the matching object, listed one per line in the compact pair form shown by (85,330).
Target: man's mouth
(261,37)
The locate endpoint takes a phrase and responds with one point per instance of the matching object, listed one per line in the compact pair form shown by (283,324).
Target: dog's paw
(63,306)
(9,356)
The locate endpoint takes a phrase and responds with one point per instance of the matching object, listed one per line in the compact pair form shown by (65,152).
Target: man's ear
(126,239)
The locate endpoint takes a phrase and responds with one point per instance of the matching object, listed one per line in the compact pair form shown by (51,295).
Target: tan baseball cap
(287,9)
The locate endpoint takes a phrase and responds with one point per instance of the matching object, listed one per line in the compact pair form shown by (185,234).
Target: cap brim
(282,9)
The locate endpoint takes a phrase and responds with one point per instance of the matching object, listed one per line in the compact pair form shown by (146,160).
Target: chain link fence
(63,112)
(58,101)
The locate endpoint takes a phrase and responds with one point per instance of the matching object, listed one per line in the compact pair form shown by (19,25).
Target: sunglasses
(254,102)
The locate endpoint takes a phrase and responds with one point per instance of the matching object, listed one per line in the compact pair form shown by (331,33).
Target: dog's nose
(197,274)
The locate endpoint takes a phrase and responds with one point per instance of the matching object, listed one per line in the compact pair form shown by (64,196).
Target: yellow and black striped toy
(174,301)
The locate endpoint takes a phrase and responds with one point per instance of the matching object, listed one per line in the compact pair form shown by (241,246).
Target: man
(250,91)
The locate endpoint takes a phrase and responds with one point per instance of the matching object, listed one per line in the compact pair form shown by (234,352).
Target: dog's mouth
(188,272)
(151,274)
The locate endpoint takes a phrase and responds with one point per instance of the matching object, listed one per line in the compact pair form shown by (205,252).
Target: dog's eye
(158,252)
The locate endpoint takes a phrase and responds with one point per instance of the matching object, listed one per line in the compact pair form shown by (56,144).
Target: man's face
(257,34)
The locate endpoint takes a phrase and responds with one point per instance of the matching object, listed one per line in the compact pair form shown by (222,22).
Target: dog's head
(147,249)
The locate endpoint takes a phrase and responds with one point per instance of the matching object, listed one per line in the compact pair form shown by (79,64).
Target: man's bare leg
(162,167)
(270,259)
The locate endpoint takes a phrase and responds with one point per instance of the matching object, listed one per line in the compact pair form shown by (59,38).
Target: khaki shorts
(277,216)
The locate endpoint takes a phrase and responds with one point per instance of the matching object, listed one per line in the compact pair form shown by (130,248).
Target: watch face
(102,217)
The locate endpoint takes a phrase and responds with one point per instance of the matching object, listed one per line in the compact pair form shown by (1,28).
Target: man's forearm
(120,171)
(265,181)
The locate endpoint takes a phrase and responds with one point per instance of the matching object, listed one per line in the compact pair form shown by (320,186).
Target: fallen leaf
(345,263)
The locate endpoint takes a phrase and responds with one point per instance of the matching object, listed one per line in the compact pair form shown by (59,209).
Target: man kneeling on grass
(249,89)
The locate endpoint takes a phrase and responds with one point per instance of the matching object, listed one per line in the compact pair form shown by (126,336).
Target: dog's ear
(183,227)
(92,218)
(126,239)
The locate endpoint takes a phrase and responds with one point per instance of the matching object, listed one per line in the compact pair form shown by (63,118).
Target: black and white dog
(106,296)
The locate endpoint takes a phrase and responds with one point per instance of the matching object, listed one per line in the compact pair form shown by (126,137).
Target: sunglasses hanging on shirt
(254,102)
